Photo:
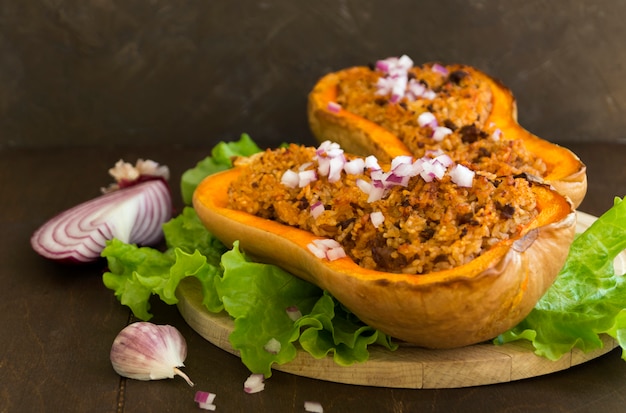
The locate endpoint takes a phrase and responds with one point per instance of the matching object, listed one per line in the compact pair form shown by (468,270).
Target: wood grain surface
(408,367)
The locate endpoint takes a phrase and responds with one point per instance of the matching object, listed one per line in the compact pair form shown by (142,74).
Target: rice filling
(415,226)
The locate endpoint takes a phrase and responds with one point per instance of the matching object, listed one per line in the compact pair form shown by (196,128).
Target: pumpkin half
(358,135)
(452,308)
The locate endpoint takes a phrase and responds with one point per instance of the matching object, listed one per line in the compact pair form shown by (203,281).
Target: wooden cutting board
(407,367)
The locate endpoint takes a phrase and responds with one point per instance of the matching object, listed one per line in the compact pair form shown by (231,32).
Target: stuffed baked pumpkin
(395,108)
(441,257)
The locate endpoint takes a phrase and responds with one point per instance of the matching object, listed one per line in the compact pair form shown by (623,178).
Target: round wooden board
(407,367)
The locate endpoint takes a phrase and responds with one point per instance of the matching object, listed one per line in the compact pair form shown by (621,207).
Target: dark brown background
(82,72)
(84,83)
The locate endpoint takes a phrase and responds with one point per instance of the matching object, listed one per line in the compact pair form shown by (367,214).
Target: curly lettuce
(219,160)
(587,299)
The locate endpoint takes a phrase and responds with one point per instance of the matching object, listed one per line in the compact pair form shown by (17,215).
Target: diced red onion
(323,166)
(383,65)
(401,160)
(429,94)
(336,166)
(392,65)
(384,85)
(496,135)
(440,133)
(205,400)
(377,218)
(396,71)
(306,177)
(415,89)
(372,163)
(363,185)
(432,170)
(398,89)
(254,383)
(293,312)
(375,194)
(317,209)
(319,252)
(313,407)
(272,346)
(326,248)
(442,70)
(133,214)
(334,107)
(331,160)
(377,176)
(462,175)
(407,170)
(427,119)
(290,178)
(328,148)
(334,151)
(204,397)
(395,179)
(335,253)
(355,166)
(405,62)
(444,159)
(327,243)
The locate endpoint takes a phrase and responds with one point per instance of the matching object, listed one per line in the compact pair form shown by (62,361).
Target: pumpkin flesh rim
(211,198)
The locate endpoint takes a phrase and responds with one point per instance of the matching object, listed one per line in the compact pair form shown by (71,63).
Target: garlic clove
(146,351)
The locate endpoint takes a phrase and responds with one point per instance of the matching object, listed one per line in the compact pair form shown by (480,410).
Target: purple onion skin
(90,249)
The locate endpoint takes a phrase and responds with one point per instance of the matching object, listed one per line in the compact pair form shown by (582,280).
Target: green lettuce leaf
(255,295)
(587,299)
(135,274)
(219,160)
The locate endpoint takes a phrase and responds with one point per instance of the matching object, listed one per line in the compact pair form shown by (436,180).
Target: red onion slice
(133,214)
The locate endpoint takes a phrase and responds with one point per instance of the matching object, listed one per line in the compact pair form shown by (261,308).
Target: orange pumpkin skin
(453,308)
(360,136)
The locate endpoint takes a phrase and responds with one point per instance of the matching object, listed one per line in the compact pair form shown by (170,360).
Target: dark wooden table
(57,323)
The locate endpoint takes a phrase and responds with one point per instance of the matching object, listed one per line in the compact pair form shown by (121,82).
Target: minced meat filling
(428,226)
(459,102)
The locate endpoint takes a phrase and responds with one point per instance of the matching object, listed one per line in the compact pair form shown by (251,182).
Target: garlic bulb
(146,351)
